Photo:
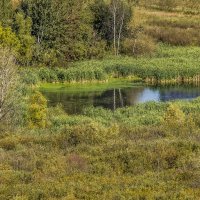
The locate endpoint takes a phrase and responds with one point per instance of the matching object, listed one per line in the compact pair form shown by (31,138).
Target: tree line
(53,32)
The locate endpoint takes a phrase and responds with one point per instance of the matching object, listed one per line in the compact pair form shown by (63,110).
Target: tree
(22,26)
(111,21)
(8,84)
(121,15)
(8,39)
(102,20)
(63,29)
(6,12)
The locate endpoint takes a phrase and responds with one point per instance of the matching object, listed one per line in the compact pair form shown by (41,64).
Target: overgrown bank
(169,64)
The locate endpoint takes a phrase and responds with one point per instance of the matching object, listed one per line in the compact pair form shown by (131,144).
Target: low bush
(144,45)
(174,36)
(129,153)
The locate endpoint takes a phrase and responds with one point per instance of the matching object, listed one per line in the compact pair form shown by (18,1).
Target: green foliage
(8,39)
(168,65)
(63,31)
(37,111)
(6,12)
(22,28)
(29,77)
(111,19)
(52,33)
(112,160)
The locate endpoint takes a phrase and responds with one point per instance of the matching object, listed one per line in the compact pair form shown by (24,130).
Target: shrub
(37,111)
(29,76)
(47,75)
(173,36)
(144,45)
(92,133)
(174,119)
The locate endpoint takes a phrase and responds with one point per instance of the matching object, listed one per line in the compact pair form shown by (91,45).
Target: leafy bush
(37,111)
(110,152)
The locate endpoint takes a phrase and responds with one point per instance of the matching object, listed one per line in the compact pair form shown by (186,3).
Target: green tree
(63,30)
(6,12)
(111,21)
(8,39)
(22,27)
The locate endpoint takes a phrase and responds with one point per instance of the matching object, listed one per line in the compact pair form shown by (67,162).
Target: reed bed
(168,65)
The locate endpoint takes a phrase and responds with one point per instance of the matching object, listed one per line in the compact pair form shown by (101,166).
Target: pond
(114,95)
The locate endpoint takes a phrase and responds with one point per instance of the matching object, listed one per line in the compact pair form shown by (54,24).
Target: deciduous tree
(8,84)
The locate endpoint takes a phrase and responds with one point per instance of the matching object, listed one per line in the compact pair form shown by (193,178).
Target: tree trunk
(120,31)
(114,10)
(121,98)
(114,100)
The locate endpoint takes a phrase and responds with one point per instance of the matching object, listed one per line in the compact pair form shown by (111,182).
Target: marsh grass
(168,65)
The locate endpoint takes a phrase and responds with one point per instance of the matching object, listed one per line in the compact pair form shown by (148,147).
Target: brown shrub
(76,162)
(143,45)
(174,36)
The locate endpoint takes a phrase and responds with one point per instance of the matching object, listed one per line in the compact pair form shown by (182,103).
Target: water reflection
(119,97)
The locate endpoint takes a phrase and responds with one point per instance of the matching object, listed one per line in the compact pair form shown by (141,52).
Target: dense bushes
(102,154)
(37,111)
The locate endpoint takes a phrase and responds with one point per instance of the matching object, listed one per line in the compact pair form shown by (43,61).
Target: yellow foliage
(8,39)
(37,111)
(174,118)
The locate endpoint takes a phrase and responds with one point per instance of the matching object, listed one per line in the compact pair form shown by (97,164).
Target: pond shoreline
(113,95)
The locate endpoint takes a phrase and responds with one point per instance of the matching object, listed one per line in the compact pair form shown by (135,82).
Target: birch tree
(121,14)
(8,83)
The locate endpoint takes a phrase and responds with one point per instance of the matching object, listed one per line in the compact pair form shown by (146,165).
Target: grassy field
(171,28)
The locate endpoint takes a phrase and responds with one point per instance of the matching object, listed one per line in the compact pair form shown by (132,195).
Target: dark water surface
(115,97)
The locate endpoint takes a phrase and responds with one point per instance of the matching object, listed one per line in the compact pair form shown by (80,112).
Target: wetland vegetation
(101,102)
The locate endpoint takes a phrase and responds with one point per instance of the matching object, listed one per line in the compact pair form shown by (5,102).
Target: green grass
(169,64)
(88,87)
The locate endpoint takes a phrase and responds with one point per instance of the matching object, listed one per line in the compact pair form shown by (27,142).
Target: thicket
(129,153)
